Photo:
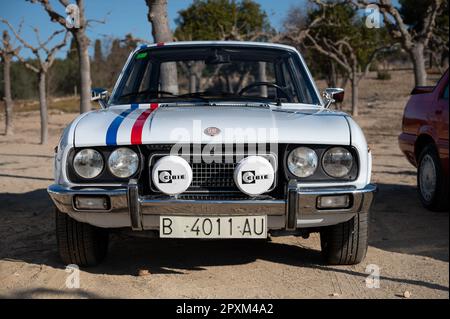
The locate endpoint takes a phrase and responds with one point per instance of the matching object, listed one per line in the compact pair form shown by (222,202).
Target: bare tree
(45,57)
(341,47)
(7,52)
(157,16)
(413,41)
(78,30)
(298,25)
(344,54)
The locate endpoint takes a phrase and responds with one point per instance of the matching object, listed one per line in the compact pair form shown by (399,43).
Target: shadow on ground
(398,224)
(48,293)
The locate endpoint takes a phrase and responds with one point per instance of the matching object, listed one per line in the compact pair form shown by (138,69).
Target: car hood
(153,124)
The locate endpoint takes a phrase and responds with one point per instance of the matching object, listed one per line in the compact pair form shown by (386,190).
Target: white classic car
(213,140)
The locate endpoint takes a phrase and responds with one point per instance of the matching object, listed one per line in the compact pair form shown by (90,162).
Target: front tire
(431,182)
(346,243)
(79,243)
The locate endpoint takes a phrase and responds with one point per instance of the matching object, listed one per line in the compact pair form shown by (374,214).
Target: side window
(445,94)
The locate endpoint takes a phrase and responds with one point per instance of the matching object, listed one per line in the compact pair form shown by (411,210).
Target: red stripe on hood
(136,131)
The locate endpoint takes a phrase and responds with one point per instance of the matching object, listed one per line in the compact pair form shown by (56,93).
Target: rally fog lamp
(254,175)
(333,202)
(172,175)
(337,162)
(91,202)
(88,163)
(123,162)
(302,162)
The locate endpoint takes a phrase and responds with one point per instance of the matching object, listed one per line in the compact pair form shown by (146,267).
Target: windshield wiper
(198,95)
(205,95)
(146,92)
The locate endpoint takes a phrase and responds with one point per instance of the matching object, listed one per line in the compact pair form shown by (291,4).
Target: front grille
(213,176)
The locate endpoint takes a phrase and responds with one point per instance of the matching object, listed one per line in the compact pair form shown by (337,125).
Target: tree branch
(18,37)
(8,50)
(44,64)
(27,64)
(389,11)
(329,54)
(54,16)
(430,20)
(52,52)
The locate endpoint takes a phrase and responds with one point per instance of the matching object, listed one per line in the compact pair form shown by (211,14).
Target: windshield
(214,73)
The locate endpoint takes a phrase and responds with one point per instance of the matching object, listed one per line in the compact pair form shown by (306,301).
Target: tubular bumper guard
(299,209)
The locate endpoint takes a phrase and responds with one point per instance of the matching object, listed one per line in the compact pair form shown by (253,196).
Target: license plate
(213,227)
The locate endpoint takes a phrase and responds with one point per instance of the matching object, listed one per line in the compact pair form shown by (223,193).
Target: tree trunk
(7,92)
(43,107)
(355,89)
(262,77)
(418,60)
(192,83)
(229,86)
(332,76)
(343,82)
(85,70)
(157,16)
(193,76)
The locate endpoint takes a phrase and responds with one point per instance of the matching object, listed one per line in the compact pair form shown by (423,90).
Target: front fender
(358,141)
(66,142)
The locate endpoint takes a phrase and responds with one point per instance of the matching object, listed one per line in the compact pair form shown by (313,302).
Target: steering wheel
(256,84)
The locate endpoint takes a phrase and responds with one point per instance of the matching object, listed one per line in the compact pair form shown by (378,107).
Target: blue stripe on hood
(111,134)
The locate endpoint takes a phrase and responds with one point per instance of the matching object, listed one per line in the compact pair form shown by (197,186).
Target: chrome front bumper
(129,209)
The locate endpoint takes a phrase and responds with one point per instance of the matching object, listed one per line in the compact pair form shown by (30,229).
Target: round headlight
(123,162)
(88,163)
(302,162)
(337,162)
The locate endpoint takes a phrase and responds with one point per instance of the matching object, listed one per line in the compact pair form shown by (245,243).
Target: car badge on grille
(212,131)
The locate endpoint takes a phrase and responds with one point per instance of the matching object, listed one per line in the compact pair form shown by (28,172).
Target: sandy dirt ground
(408,243)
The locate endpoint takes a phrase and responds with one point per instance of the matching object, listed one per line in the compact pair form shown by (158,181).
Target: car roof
(221,43)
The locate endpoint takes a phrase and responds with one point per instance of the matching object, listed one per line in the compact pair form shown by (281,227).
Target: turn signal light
(333,202)
(91,202)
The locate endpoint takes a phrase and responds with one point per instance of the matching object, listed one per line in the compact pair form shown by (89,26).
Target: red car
(424,141)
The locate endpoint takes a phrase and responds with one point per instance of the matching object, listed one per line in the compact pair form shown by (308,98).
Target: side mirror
(333,95)
(101,96)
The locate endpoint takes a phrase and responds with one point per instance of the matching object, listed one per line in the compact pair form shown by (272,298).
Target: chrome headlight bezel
(96,156)
(345,168)
(130,154)
(309,155)
(106,177)
(320,175)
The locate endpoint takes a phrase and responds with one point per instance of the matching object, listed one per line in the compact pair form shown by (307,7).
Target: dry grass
(68,104)
(373,90)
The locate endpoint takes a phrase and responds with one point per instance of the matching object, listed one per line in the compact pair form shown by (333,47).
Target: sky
(122,16)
